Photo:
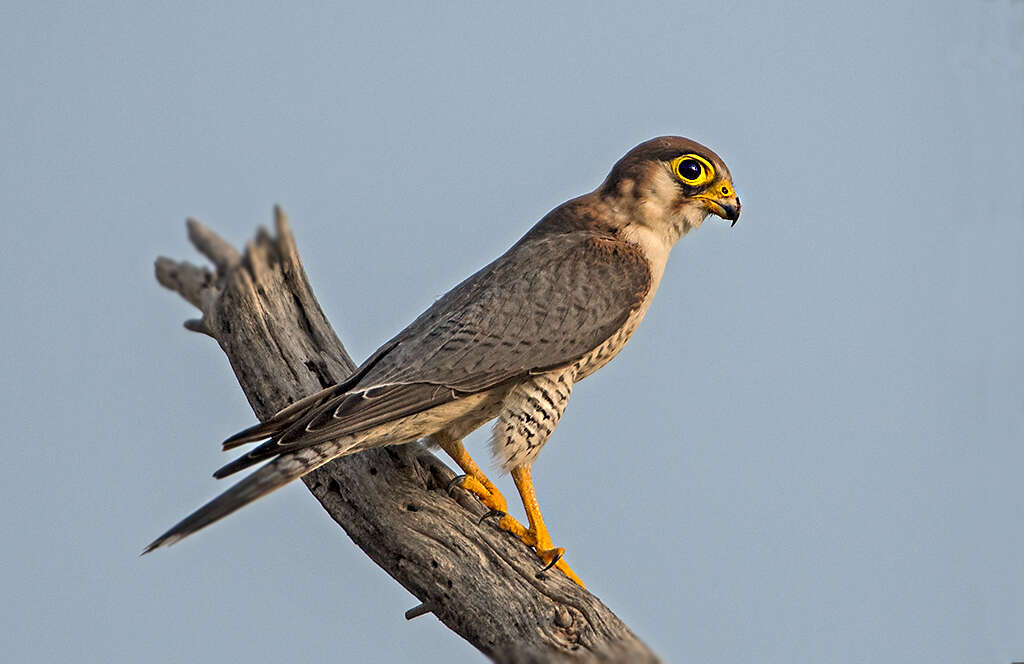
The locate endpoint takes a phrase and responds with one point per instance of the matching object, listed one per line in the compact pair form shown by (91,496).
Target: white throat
(654,221)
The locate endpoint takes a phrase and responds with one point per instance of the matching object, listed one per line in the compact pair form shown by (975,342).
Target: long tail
(269,477)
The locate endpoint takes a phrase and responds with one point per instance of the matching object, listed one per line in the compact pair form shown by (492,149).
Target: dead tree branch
(392,502)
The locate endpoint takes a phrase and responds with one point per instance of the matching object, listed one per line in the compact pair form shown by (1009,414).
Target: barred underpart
(531,412)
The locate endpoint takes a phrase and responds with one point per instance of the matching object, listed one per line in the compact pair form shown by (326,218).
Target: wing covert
(545,303)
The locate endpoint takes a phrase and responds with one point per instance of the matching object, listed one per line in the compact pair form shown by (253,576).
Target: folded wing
(544,304)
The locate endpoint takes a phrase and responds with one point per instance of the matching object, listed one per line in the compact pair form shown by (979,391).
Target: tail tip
(163,540)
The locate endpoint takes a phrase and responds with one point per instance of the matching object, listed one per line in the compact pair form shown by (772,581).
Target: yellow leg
(477,483)
(537,536)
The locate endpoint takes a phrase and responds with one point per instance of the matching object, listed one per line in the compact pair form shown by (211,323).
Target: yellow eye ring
(693,169)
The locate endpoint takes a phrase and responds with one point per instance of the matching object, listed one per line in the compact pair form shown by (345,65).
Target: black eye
(690,169)
(693,170)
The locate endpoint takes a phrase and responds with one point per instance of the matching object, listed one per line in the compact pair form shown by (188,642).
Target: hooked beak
(726,208)
(726,204)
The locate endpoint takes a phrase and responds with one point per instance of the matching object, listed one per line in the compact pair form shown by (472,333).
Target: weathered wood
(393,502)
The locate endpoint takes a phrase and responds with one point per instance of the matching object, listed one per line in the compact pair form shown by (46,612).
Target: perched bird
(509,342)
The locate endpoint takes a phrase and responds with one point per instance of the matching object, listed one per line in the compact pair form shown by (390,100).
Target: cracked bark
(393,502)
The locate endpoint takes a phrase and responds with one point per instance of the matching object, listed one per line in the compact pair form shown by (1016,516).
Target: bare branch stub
(218,250)
(392,502)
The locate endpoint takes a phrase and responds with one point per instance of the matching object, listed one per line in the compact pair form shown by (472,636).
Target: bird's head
(670,184)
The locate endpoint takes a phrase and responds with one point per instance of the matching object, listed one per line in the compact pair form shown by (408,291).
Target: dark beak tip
(732,213)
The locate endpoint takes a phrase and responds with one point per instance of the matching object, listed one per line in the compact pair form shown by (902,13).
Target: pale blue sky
(811,451)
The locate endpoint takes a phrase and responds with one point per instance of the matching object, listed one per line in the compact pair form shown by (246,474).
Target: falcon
(507,344)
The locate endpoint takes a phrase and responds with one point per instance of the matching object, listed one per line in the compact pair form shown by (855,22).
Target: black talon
(491,515)
(455,481)
(554,561)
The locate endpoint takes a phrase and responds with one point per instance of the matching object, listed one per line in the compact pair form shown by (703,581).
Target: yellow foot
(553,556)
(474,481)
(537,536)
(498,506)
(565,569)
(492,500)
(488,495)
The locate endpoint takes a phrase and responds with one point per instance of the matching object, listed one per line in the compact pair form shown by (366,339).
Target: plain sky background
(812,450)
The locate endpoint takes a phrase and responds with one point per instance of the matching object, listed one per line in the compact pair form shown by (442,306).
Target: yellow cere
(707,171)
